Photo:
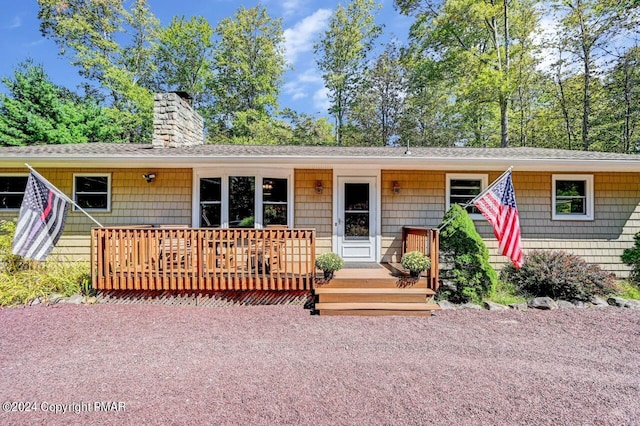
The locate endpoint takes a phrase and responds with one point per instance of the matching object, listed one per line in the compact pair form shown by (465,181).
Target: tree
(308,130)
(248,67)
(476,43)
(36,111)
(379,103)
(342,55)
(586,30)
(184,57)
(91,33)
(624,91)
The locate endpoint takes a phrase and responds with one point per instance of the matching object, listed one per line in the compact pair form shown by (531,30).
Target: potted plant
(329,263)
(415,262)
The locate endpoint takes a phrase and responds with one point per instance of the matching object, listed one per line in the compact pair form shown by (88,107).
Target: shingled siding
(421,202)
(133,202)
(313,210)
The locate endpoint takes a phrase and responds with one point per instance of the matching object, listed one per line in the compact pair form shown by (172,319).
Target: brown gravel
(279,365)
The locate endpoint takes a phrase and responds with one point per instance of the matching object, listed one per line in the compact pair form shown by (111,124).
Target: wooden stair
(373,292)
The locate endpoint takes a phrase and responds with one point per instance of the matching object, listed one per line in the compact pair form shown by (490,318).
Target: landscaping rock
(76,299)
(580,304)
(493,306)
(617,301)
(446,305)
(565,304)
(55,298)
(519,306)
(544,303)
(90,300)
(598,302)
(35,301)
(470,306)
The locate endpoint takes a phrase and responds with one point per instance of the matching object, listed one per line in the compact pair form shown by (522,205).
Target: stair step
(374,313)
(372,298)
(378,306)
(391,282)
(394,290)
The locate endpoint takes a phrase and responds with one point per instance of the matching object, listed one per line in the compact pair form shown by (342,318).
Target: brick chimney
(175,122)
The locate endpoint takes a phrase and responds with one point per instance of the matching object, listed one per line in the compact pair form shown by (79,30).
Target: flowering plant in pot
(329,263)
(415,262)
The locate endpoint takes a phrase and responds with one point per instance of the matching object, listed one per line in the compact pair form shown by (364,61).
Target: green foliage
(329,262)
(505,293)
(248,63)
(628,290)
(466,259)
(36,111)
(342,53)
(415,261)
(631,257)
(22,281)
(559,275)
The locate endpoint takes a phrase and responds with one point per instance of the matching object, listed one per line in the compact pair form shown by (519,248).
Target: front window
(12,191)
(244,201)
(572,197)
(462,188)
(92,192)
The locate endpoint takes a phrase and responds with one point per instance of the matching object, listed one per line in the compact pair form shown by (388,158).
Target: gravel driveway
(149,364)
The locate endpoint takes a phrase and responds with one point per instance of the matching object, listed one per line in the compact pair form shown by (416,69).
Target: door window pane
(242,196)
(356,214)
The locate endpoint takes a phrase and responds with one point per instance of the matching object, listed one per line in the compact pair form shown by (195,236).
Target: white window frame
(259,175)
(75,199)
(589,197)
(484,182)
(13,175)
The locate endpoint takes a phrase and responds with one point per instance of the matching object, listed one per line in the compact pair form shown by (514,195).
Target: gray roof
(111,154)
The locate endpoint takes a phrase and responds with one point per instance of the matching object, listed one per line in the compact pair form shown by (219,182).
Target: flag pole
(487,189)
(62,194)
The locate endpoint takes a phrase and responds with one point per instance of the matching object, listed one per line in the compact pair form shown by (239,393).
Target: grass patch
(504,293)
(65,278)
(627,290)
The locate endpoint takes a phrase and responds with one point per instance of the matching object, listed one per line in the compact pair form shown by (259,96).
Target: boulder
(519,306)
(632,304)
(76,299)
(35,301)
(470,306)
(565,304)
(616,301)
(446,305)
(580,304)
(55,298)
(493,306)
(598,302)
(544,303)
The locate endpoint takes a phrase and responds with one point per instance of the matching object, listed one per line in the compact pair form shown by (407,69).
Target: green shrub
(22,281)
(505,293)
(559,275)
(628,290)
(631,257)
(329,262)
(415,261)
(465,260)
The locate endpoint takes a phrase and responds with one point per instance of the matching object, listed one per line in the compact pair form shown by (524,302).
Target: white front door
(356,219)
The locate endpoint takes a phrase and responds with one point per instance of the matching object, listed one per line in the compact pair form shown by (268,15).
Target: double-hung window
(244,201)
(572,197)
(12,191)
(462,188)
(92,191)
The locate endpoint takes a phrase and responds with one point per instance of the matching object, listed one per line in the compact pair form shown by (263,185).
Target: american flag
(41,220)
(498,205)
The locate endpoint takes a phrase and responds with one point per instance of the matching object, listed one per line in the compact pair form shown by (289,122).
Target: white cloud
(289,7)
(299,38)
(298,87)
(16,22)
(321,99)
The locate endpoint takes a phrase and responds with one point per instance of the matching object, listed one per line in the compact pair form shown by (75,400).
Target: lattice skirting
(213,299)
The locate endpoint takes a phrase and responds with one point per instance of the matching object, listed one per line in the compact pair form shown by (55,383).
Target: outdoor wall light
(396,187)
(319,187)
(149,177)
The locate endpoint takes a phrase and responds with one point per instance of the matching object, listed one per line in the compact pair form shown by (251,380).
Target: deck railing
(427,241)
(139,258)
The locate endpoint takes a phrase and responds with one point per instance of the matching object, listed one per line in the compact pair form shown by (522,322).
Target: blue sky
(303,23)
